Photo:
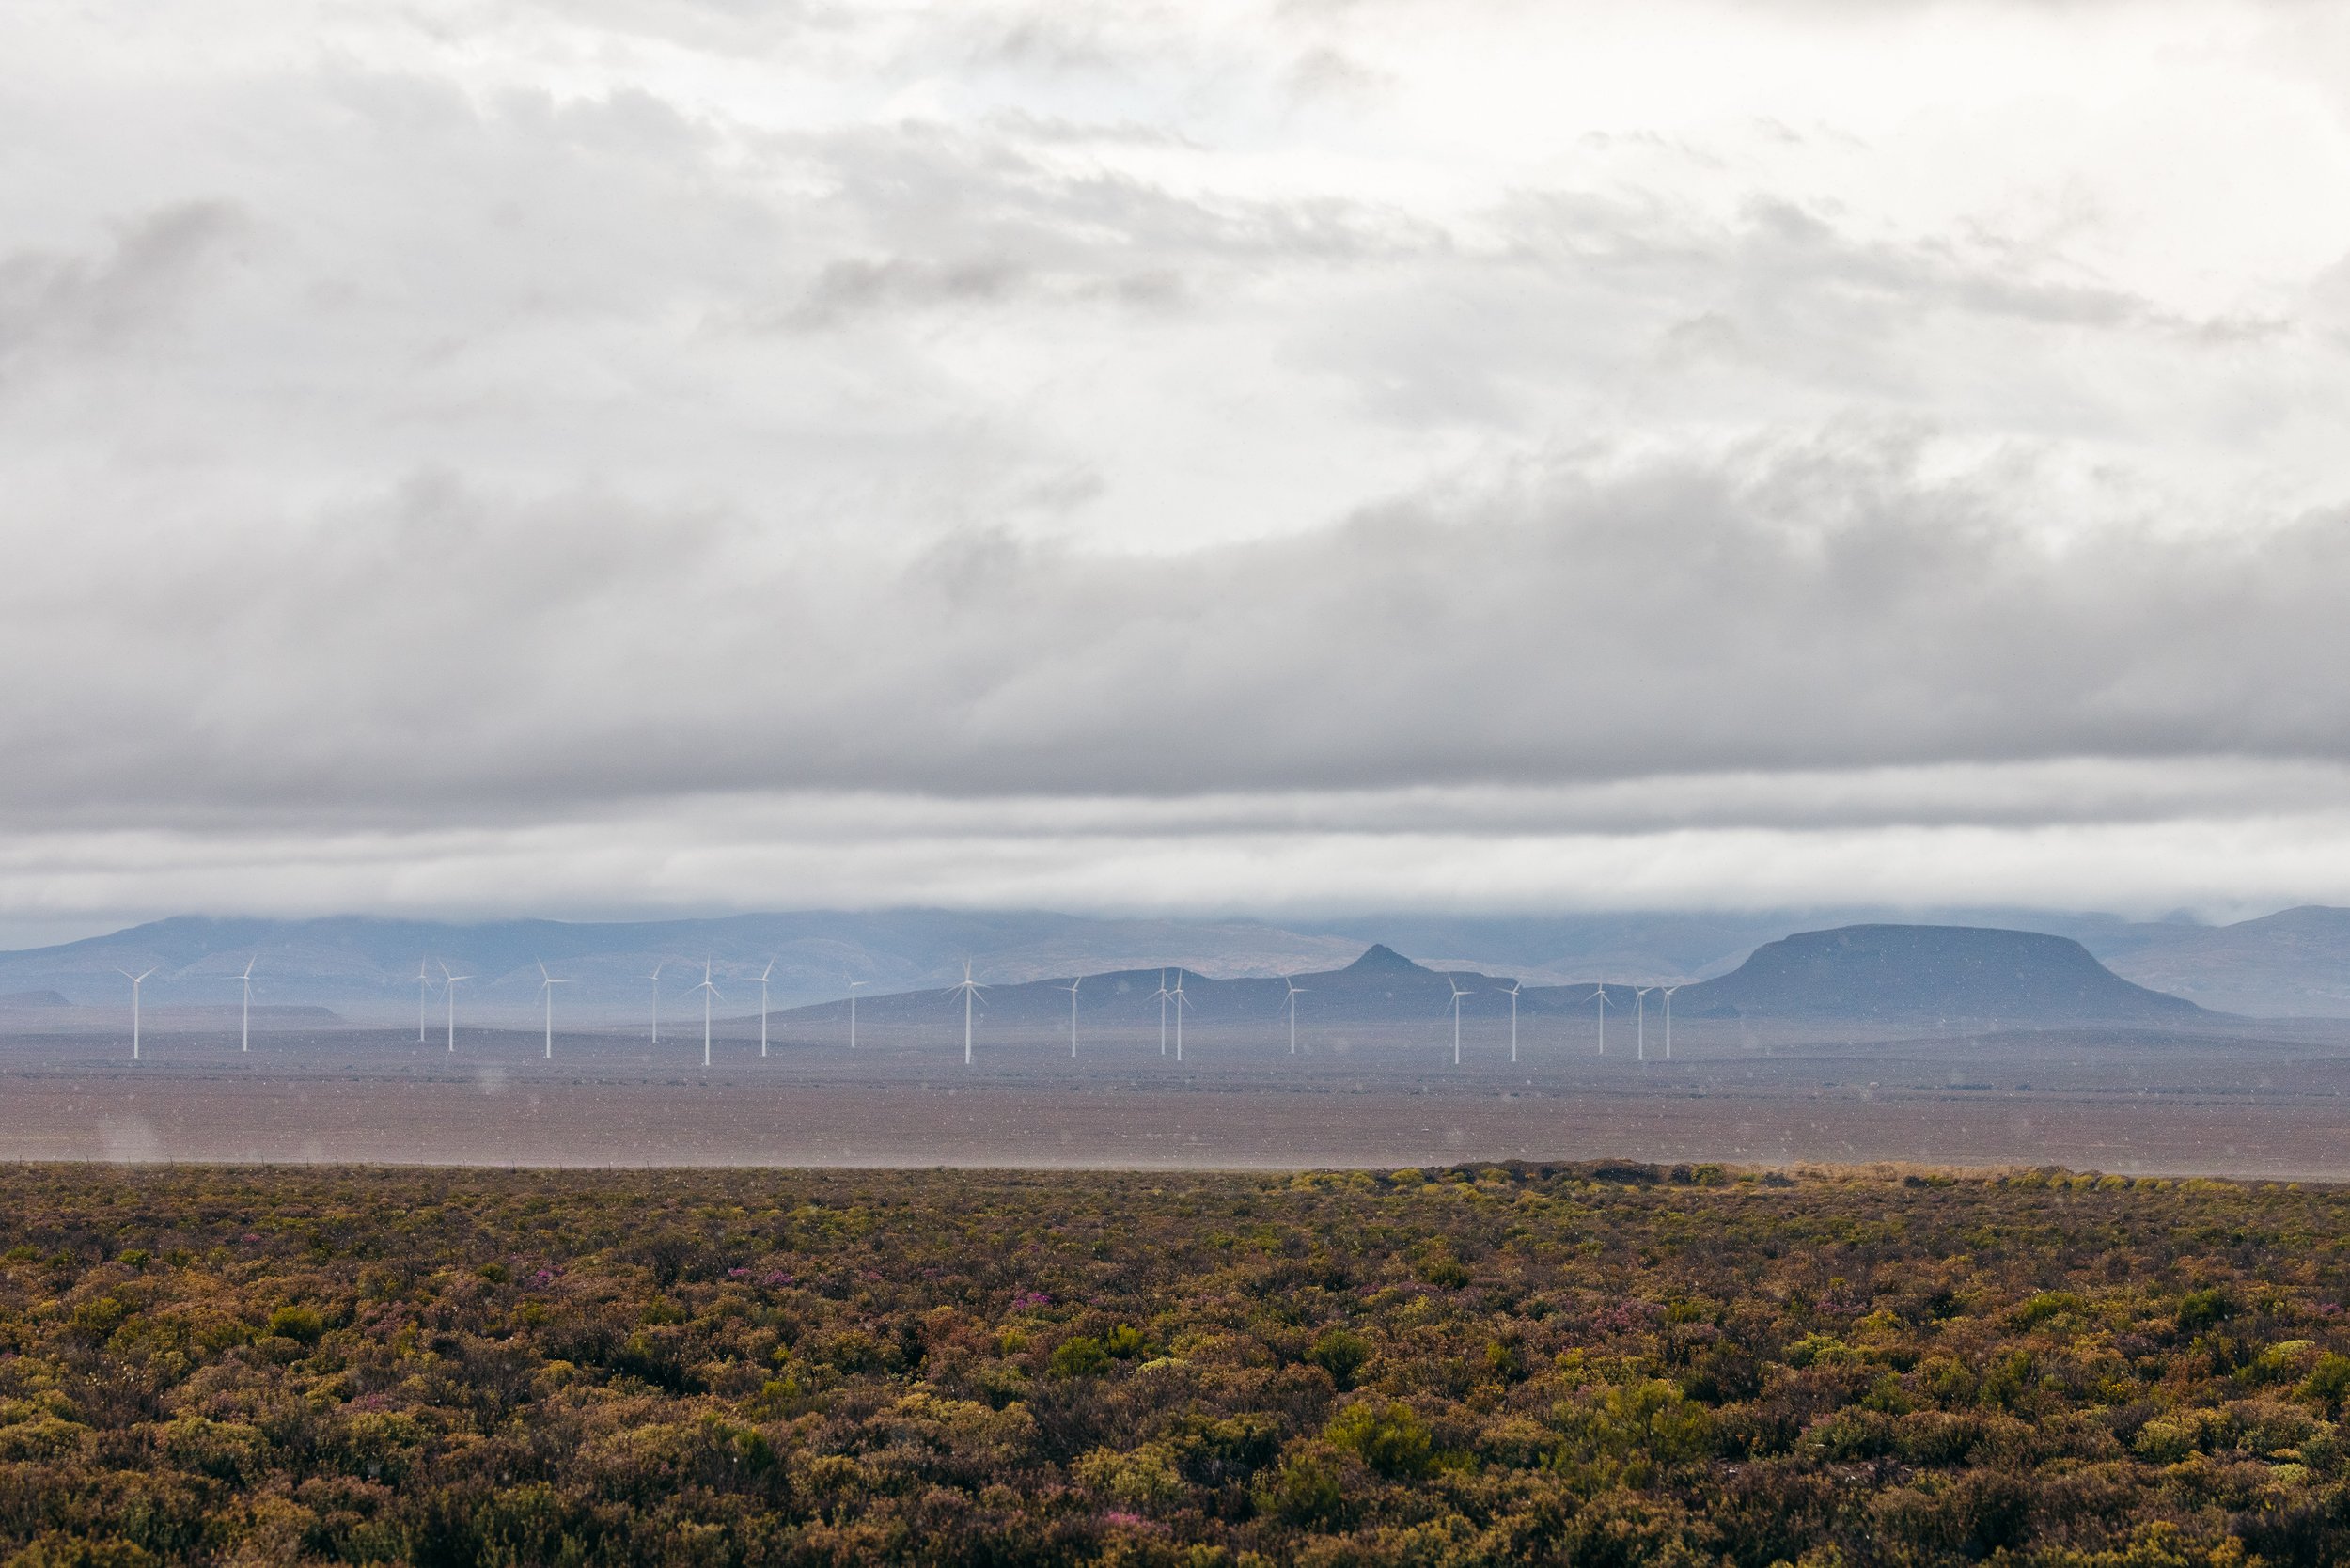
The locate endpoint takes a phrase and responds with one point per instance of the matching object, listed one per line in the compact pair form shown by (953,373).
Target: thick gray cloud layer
(1684,449)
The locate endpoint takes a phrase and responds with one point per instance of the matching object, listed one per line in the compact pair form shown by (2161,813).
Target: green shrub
(297,1323)
(2200,1309)
(1388,1435)
(1080,1356)
(2328,1384)
(1341,1353)
(1308,1492)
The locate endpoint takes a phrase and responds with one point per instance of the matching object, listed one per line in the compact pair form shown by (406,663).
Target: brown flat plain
(2276,1105)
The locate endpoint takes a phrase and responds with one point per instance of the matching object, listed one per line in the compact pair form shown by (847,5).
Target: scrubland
(1591,1364)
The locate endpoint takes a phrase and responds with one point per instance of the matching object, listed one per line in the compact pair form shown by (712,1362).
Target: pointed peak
(1382,959)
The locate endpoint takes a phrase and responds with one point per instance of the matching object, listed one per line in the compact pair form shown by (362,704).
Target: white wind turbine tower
(708,991)
(970,990)
(424,989)
(135,980)
(1599,994)
(1668,1019)
(1457,994)
(655,977)
(1513,1020)
(852,985)
(762,1007)
(1072,989)
(1640,1003)
(1295,991)
(1162,993)
(546,985)
(448,989)
(247,979)
(1181,1002)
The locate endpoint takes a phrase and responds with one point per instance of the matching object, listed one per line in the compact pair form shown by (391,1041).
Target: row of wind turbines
(547,983)
(967,988)
(1167,997)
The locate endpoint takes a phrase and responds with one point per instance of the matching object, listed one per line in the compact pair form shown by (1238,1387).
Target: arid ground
(2273,1105)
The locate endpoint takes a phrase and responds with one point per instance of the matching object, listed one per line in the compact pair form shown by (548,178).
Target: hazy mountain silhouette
(1923,975)
(2292,963)
(1380,986)
(365,967)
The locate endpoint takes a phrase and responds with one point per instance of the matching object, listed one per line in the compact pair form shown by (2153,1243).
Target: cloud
(1786,609)
(69,302)
(1414,427)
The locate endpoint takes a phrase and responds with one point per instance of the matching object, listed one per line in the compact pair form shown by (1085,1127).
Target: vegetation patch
(1574,1364)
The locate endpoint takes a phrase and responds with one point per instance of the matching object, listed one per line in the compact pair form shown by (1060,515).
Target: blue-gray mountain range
(2292,963)
(1896,976)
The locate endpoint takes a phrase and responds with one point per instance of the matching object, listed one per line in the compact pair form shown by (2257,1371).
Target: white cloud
(1736,436)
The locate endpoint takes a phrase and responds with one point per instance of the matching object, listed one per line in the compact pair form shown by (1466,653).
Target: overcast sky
(612,457)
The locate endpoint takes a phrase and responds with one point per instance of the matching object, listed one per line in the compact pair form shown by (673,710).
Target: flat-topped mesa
(1924,974)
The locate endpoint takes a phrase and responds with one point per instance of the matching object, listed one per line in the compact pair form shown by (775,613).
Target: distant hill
(35,999)
(2292,963)
(2296,963)
(1927,975)
(1897,976)
(365,967)
(1380,986)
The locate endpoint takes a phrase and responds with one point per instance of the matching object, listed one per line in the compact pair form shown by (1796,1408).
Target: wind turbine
(762,1007)
(546,984)
(1181,1002)
(246,979)
(1513,1020)
(1296,990)
(708,991)
(448,989)
(1668,1019)
(1640,1003)
(1162,993)
(1072,989)
(1457,994)
(852,985)
(424,989)
(655,977)
(135,980)
(970,990)
(1599,994)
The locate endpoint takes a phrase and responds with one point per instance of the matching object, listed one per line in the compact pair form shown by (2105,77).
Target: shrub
(1388,1435)
(300,1324)
(1308,1492)
(2200,1309)
(1341,1353)
(2328,1384)
(1080,1356)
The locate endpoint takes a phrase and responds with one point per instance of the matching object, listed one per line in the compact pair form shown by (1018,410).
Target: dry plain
(2271,1104)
